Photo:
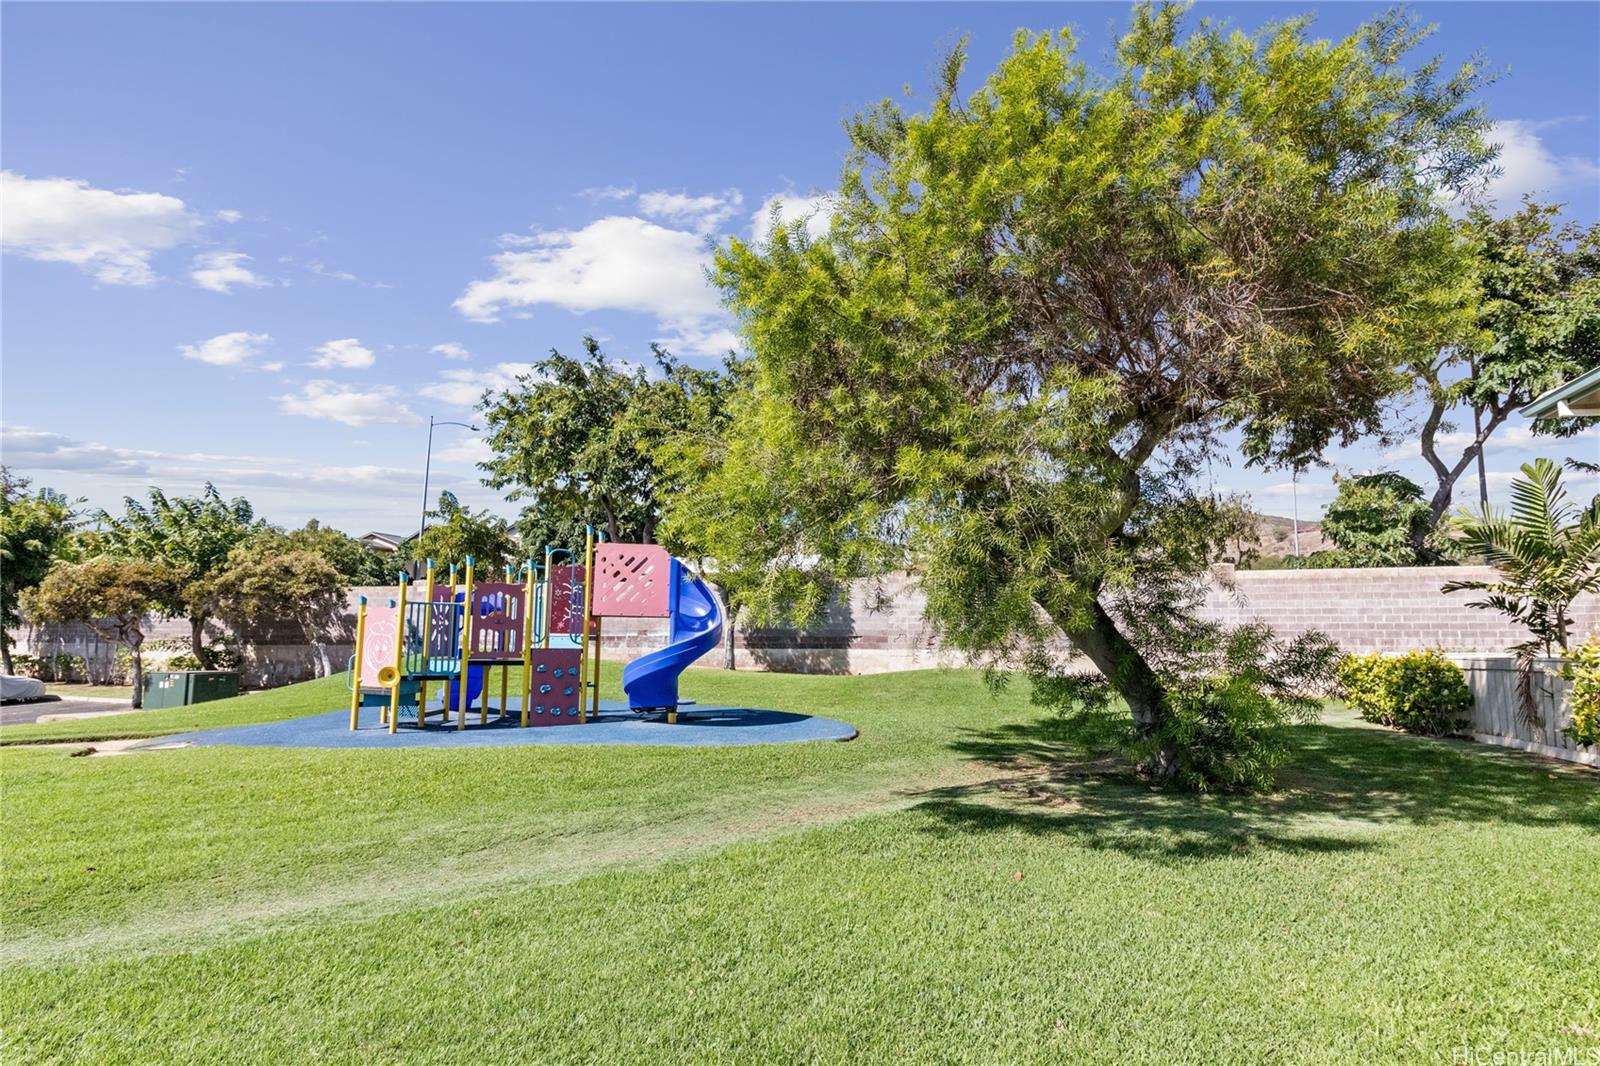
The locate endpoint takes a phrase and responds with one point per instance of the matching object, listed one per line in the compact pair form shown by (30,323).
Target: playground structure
(459,635)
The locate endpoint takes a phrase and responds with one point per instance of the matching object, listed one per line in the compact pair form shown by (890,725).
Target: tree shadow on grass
(1340,784)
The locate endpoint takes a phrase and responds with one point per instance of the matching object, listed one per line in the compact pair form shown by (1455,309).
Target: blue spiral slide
(651,681)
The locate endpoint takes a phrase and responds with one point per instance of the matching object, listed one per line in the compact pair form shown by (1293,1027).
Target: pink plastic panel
(497,620)
(377,645)
(565,607)
(630,581)
(555,693)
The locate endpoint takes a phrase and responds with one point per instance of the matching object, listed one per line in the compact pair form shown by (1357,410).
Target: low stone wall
(1498,716)
(880,626)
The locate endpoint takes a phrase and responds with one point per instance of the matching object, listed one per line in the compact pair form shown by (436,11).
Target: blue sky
(261,243)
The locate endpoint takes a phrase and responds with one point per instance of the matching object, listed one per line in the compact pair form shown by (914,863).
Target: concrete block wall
(1378,609)
(879,626)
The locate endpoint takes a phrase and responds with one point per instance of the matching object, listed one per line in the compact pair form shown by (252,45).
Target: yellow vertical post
(399,654)
(361,640)
(529,590)
(466,648)
(583,632)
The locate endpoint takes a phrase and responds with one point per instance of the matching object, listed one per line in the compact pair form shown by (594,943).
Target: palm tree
(1547,551)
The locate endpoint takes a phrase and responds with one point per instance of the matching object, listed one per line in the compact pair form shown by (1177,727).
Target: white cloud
(607,192)
(353,407)
(347,353)
(616,263)
(702,337)
(228,349)
(229,215)
(322,270)
(815,211)
(462,388)
(451,350)
(703,214)
(469,449)
(1528,166)
(1510,438)
(220,271)
(285,489)
(109,234)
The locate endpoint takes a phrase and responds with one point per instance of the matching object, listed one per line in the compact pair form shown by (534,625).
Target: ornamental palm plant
(1547,551)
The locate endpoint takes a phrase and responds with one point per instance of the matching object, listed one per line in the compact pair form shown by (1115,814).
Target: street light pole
(427,467)
(1295,488)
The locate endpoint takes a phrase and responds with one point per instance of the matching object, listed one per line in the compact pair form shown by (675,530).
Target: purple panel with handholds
(555,692)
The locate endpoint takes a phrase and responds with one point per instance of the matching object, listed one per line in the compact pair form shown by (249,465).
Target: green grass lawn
(959,884)
(71,690)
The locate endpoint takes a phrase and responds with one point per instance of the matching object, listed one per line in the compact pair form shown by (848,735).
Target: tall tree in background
(1038,309)
(113,597)
(1380,519)
(458,533)
(582,441)
(355,562)
(193,534)
(35,527)
(1535,293)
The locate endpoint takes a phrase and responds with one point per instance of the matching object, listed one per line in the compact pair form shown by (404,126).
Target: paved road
(21,713)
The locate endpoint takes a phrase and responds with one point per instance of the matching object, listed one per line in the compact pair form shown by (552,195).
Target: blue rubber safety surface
(697,726)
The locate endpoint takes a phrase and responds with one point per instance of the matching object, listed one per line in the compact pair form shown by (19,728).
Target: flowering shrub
(1419,692)
(1583,670)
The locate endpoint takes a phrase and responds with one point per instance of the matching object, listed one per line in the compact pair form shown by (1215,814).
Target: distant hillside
(1277,535)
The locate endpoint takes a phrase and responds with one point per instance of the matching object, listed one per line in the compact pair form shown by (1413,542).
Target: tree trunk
(324,665)
(135,641)
(1126,671)
(5,653)
(197,642)
(1447,474)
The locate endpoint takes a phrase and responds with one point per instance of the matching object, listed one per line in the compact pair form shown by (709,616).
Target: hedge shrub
(1419,692)
(1583,668)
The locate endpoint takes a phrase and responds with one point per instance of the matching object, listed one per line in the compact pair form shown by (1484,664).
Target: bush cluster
(1583,669)
(1419,692)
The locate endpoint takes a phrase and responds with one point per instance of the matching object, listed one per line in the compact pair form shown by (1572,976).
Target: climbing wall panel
(554,690)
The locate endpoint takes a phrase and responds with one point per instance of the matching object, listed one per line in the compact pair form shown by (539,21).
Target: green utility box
(179,688)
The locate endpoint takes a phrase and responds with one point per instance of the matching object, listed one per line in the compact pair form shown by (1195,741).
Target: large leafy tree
(193,534)
(1535,295)
(1039,308)
(35,531)
(113,597)
(268,582)
(582,441)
